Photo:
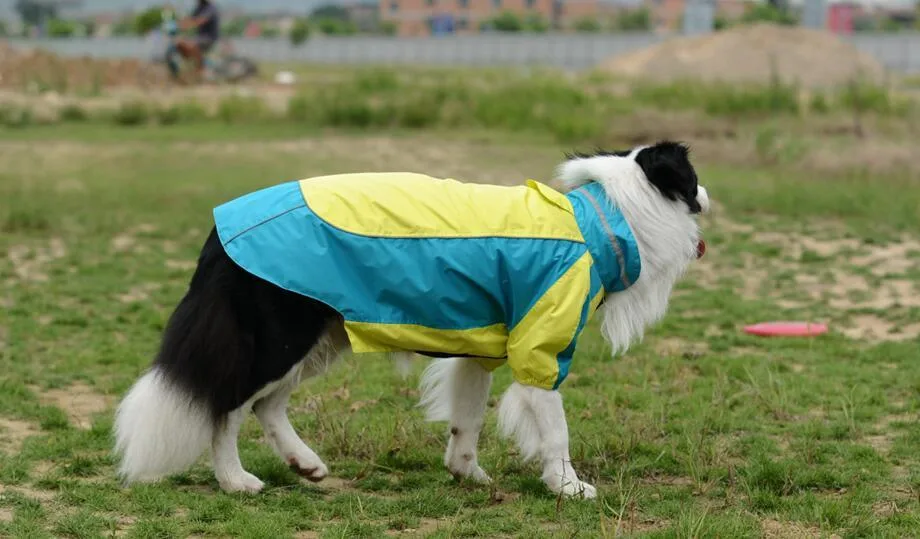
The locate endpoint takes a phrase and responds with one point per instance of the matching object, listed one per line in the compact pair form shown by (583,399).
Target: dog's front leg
(536,418)
(457,390)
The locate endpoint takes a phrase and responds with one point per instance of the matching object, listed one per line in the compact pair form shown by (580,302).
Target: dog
(474,276)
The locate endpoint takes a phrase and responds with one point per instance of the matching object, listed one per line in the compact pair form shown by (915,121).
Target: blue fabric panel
(248,211)
(442,283)
(597,236)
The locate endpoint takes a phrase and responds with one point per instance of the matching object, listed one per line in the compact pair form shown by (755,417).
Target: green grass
(699,431)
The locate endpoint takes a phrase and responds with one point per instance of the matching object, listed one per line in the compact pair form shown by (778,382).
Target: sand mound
(38,70)
(747,54)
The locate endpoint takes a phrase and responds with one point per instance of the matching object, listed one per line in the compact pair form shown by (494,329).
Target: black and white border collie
(210,371)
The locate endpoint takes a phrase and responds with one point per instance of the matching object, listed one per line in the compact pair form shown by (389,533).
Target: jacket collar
(608,236)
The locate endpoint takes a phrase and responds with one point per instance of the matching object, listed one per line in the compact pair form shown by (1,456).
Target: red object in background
(786,329)
(840,18)
(253,30)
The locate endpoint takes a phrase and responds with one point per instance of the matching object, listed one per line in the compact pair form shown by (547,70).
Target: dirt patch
(127,241)
(878,279)
(335,484)
(874,328)
(13,433)
(35,494)
(6,515)
(885,509)
(43,467)
(881,443)
(181,265)
(426,527)
(123,243)
(139,293)
(38,70)
(79,401)
(30,263)
(892,259)
(774,529)
(751,54)
(892,293)
(673,346)
(668,480)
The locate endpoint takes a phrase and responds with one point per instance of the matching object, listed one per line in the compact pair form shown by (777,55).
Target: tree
(635,20)
(387,28)
(34,13)
(768,13)
(534,22)
(123,27)
(300,32)
(507,22)
(270,32)
(587,25)
(331,11)
(61,28)
(147,21)
(235,27)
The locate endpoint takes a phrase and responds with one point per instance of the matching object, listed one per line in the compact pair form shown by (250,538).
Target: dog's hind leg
(227,466)
(536,418)
(457,390)
(271,409)
(272,414)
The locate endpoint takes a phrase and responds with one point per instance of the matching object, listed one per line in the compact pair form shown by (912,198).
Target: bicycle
(221,63)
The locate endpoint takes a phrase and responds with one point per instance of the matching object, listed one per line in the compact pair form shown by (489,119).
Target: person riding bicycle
(205,20)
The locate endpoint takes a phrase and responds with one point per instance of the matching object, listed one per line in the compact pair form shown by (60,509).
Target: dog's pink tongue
(700,249)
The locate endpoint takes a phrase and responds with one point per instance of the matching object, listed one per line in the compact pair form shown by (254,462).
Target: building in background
(424,17)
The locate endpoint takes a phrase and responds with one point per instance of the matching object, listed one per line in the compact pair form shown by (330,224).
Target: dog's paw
(311,469)
(465,466)
(475,473)
(578,490)
(244,482)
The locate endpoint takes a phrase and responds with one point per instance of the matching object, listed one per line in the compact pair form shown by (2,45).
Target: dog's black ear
(667,167)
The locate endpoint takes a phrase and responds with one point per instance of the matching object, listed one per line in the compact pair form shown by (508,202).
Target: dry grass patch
(79,401)
(775,529)
(13,433)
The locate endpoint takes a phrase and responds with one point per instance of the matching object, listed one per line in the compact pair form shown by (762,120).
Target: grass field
(700,431)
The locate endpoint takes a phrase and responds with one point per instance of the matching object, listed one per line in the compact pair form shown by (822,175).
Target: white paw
(577,489)
(310,467)
(475,474)
(463,468)
(242,482)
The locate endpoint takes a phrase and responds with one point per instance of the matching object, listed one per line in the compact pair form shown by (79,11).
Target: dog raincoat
(441,267)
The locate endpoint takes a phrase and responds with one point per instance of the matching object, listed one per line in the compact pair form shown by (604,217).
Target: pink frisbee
(786,329)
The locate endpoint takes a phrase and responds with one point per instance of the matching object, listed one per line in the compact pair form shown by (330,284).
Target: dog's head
(667,166)
(657,190)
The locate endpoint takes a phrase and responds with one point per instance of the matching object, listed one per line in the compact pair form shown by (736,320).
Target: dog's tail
(167,420)
(159,429)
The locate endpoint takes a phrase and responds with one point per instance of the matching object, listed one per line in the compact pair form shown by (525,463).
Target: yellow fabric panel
(595,302)
(489,341)
(489,364)
(549,327)
(415,205)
